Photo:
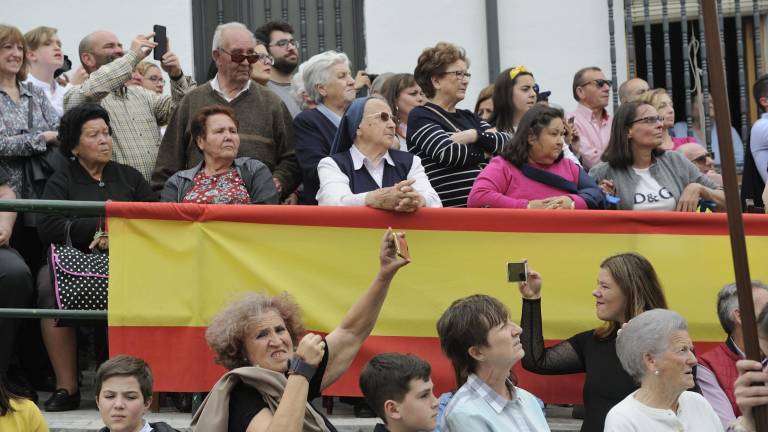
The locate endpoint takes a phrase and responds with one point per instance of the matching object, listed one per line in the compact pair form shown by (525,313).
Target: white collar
(42,84)
(358,158)
(217,88)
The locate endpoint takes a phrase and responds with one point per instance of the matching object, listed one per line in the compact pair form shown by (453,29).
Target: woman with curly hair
(275,368)
(454,144)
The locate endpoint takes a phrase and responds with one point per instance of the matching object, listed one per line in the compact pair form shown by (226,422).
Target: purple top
(502,184)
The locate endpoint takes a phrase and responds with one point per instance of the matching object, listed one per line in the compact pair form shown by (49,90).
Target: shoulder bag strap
(443,117)
(549,179)
(30,107)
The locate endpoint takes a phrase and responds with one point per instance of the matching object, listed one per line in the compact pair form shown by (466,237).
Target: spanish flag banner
(174,266)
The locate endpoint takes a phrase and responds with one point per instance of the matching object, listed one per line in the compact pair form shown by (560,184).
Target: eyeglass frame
(381,115)
(155,79)
(458,74)
(647,120)
(283,43)
(703,158)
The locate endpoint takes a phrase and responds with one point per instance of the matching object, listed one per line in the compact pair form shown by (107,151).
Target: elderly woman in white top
(655,348)
(364,170)
(330,84)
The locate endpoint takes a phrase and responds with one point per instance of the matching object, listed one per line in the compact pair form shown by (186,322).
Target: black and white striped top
(450,166)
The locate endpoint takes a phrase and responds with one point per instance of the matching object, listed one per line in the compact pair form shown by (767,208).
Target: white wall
(398,30)
(126,18)
(555,38)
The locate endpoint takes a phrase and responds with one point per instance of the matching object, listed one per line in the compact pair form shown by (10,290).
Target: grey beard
(284,66)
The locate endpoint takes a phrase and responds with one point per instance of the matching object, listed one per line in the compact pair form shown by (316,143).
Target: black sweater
(606,382)
(118,183)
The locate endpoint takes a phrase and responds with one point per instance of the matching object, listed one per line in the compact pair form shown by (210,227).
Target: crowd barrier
(174,266)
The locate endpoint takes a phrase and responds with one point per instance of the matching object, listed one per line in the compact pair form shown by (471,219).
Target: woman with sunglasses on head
(642,175)
(455,144)
(328,81)
(364,170)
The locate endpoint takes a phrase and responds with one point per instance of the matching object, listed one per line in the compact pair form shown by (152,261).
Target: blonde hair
(38,36)
(653,97)
(145,66)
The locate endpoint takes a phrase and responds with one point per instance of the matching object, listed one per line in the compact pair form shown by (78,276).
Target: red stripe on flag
(182,362)
(493,220)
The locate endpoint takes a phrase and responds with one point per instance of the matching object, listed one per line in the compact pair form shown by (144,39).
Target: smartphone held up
(401,245)
(517,271)
(162,42)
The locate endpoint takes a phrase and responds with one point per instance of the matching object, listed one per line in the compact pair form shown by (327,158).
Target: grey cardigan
(256,176)
(671,169)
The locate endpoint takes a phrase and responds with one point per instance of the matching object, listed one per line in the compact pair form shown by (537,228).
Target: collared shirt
(54,92)
(476,406)
(329,114)
(759,145)
(594,134)
(19,140)
(135,113)
(334,184)
(217,88)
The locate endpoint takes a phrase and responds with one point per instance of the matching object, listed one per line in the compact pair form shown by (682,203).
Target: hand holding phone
(401,245)
(517,271)
(161,40)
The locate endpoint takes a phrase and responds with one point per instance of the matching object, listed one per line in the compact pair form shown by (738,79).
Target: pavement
(87,419)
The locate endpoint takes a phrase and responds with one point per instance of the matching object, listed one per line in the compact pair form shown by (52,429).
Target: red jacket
(722,362)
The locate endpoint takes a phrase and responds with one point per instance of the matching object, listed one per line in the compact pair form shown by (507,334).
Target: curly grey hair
(648,333)
(228,329)
(317,70)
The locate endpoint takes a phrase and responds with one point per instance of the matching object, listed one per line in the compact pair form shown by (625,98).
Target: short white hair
(317,70)
(647,333)
(297,85)
(234,25)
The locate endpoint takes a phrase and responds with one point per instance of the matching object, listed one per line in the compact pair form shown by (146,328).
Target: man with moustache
(591,91)
(278,36)
(265,126)
(136,114)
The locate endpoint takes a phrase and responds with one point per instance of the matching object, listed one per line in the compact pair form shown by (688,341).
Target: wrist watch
(297,366)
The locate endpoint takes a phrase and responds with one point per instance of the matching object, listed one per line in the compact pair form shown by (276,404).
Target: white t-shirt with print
(650,195)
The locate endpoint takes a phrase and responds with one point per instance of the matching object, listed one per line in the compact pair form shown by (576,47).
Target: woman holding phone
(627,285)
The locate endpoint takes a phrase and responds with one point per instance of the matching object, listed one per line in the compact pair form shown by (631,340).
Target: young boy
(123,395)
(399,389)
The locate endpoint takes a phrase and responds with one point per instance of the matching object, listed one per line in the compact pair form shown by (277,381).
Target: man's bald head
(632,89)
(697,154)
(99,48)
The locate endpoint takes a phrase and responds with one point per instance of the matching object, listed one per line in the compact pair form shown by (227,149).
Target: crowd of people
(269,129)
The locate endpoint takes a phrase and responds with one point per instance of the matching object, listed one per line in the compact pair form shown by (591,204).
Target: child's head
(123,392)
(399,389)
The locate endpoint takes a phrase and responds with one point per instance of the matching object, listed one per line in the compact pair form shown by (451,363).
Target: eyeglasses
(251,57)
(283,43)
(599,83)
(648,120)
(156,79)
(459,74)
(383,116)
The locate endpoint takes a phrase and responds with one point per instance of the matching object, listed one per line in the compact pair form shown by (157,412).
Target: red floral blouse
(224,188)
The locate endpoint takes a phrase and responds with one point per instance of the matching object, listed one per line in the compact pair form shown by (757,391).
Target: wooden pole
(719,95)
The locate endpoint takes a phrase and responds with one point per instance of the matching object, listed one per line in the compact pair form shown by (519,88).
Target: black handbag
(80,279)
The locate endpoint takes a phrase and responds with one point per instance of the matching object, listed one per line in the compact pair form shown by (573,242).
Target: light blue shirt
(681,130)
(759,145)
(477,407)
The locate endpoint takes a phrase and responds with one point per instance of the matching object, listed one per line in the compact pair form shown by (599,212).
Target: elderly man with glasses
(265,123)
(703,160)
(591,90)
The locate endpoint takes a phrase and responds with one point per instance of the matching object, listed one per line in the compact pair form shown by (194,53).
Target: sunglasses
(251,57)
(703,158)
(283,43)
(651,120)
(599,83)
(383,116)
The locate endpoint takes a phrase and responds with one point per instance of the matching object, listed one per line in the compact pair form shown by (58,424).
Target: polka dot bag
(80,279)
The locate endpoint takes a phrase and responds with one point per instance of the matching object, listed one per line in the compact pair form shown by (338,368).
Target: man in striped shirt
(135,113)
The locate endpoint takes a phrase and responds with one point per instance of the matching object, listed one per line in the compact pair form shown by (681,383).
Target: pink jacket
(502,184)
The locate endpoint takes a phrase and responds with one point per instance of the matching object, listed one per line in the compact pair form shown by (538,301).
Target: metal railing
(75,208)
(646,52)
